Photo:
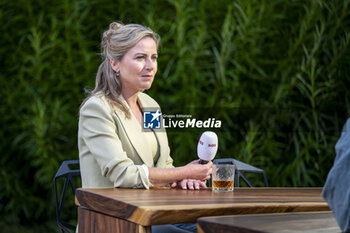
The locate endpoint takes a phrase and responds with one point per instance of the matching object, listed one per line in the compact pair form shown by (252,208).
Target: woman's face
(138,66)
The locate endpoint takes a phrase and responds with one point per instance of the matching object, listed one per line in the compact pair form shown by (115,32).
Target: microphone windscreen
(207,146)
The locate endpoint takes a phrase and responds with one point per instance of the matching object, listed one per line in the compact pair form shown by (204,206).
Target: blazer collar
(160,134)
(135,134)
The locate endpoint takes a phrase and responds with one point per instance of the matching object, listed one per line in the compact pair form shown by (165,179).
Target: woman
(114,150)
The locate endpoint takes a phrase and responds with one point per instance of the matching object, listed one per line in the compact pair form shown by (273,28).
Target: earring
(117,74)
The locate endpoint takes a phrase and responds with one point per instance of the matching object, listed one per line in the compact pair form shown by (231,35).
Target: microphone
(207,147)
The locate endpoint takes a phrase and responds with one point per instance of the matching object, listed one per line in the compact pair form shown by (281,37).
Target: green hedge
(275,73)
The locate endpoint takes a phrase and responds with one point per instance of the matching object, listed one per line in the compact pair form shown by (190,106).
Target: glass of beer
(222,177)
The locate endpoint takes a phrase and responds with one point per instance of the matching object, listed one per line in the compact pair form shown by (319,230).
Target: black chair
(66,173)
(242,168)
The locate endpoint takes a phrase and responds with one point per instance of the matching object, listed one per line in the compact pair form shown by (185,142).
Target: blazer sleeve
(99,132)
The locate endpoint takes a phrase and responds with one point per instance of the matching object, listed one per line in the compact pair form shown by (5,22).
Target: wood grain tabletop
(306,222)
(164,205)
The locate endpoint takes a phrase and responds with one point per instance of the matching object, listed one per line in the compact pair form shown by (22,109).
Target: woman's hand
(192,171)
(197,171)
(190,184)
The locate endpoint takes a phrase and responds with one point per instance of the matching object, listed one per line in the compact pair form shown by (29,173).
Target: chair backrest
(241,169)
(64,172)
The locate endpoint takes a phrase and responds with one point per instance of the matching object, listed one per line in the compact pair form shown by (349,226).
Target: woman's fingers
(190,184)
(203,184)
(197,185)
(173,185)
(183,184)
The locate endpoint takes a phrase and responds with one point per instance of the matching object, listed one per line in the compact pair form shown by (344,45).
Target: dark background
(275,72)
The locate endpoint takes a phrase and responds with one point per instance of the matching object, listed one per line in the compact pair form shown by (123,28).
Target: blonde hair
(116,42)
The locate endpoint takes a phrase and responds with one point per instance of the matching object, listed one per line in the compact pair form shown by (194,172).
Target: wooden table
(310,222)
(135,210)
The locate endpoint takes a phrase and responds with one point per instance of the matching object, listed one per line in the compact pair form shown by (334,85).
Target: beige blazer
(112,148)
